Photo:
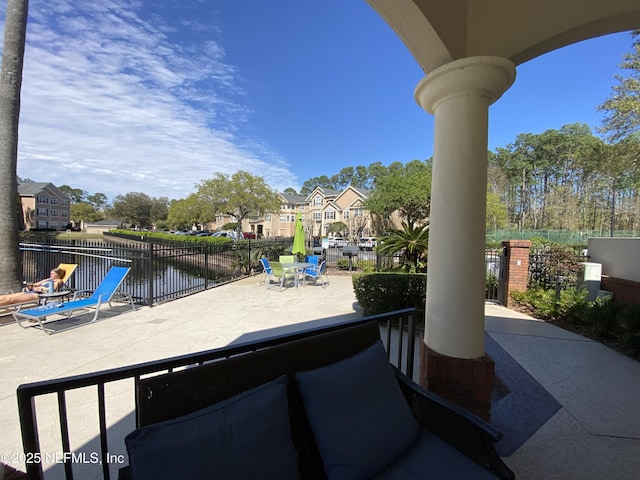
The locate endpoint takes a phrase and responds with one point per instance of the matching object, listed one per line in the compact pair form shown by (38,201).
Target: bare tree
(15,30)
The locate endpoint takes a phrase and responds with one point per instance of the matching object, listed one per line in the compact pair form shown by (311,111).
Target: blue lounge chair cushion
(245,436)
(358,414)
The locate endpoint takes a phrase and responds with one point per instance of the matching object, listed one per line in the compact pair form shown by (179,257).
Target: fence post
(516,254)
(150,275)
(206,266)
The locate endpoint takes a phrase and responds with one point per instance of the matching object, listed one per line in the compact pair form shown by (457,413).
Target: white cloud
(115,103)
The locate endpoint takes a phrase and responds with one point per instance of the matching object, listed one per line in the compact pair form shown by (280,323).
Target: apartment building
(318,210)
(44,206)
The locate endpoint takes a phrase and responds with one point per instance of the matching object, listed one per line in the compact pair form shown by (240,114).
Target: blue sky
(140,96)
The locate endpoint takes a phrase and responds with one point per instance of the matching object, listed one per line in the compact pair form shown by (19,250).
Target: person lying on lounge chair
(33,290)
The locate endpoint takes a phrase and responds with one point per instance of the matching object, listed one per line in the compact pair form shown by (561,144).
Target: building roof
(109,223)
(290,198)
(31,189)
(326,192)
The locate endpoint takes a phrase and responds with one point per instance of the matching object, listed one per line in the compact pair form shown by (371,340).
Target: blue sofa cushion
(358,414)
(432,457)
(245,436)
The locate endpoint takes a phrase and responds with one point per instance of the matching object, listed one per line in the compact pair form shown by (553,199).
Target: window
(358,212)
(54,201)
(345,215)
(54,213)
(282,218)
(317,201)
(267,218)
(54,225)
(41,212)
(64,213)
(330,214)
(317,216)
(42,224)
(64,203)
(43,199)
(301,208)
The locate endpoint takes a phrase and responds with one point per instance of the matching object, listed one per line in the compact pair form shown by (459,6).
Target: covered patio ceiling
(437,32)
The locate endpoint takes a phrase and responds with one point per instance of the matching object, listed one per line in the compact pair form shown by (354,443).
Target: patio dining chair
(318,273)
(266,270)
(278,272)
(315,259)
(271,270)
(296,273)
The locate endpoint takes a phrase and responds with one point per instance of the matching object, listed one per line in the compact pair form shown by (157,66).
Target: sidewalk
(573,413)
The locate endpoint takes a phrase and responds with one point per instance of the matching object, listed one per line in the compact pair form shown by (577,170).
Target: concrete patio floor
(589,427)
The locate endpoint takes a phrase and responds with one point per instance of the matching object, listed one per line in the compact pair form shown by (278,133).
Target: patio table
(299,267)
(62,294)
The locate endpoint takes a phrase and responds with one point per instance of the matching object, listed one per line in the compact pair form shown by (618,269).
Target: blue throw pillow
(245,436)
(358,414)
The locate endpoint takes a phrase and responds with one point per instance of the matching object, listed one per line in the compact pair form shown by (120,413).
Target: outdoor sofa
(323,406)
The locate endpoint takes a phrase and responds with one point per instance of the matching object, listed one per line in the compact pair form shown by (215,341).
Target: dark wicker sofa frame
(178,393)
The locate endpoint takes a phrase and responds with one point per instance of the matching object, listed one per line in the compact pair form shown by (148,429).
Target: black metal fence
(163,270)
(550,269)
(160,271)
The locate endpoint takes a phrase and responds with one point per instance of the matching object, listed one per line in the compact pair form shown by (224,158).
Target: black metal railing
(160,271)
(548,269)
(494,273)
(30,394)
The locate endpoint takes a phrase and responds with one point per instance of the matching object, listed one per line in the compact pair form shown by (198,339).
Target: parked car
(367,243)
(337,242)
(233,235)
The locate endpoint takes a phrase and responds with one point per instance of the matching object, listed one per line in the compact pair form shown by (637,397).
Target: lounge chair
(104,294)
(318,273)
(69,269)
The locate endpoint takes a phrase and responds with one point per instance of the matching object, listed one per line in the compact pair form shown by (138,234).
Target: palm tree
(412,241)
(15,29)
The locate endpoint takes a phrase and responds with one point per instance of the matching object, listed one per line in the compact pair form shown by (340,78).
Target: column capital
(485,76)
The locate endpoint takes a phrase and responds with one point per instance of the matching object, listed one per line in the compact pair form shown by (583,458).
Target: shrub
(629,326)
(343,264)
(367,266)
(602,315)
(386,292)
(570,306)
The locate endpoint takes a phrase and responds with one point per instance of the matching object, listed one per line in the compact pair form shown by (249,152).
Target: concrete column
(459,94)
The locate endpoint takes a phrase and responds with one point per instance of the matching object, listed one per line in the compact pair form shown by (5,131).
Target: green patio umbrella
(299,247)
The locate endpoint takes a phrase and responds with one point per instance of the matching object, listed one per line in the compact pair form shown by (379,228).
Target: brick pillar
(467,382)
(516,270)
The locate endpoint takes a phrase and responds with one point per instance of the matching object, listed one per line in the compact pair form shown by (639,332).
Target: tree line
(568,179)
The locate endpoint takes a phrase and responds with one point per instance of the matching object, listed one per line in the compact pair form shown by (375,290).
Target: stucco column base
(467,382)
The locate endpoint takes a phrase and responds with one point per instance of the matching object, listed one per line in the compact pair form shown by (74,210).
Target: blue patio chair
(266,269)
(318,273)
(315,259)
(104,294)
